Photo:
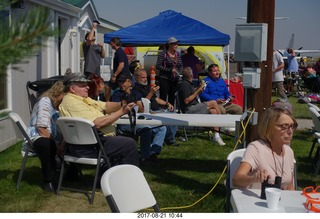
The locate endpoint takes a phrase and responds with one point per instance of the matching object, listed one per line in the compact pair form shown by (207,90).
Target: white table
(248,201)
(175,119)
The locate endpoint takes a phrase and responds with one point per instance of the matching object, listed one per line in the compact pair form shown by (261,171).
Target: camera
(228,101)
(265,184)
(129,98)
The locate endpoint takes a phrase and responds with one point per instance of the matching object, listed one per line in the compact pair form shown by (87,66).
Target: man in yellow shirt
(76,103)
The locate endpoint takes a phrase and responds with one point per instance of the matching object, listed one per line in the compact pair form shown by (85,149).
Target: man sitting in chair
(76,103)
(217,90)
(142,87)
(190,104)
(150,148)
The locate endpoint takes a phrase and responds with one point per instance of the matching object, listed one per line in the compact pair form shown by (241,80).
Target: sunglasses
(313,205)
(307,191)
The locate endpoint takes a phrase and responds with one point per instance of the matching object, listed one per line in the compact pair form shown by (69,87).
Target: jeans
(147,146)
(158,139)
(171,134)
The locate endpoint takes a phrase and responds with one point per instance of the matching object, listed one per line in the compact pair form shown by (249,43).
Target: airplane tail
(291,42)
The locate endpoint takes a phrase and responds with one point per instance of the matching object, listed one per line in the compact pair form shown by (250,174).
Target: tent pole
(228,65)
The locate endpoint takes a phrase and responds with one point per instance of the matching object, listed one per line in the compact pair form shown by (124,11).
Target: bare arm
(91,34)
(194,95)
(112,106)
(44,132)
(244,176)
(103,52)
(119,69)
(111,118)
(281,66)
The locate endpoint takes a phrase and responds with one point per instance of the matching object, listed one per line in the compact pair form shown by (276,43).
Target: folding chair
(313,84)
(127,190)
(178,106)
(314,106)
(81,132)
(233,162)
(26,152)
(315,115)
(146,104)
(32,99)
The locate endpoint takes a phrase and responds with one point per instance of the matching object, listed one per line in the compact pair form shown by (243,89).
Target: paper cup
(273,196)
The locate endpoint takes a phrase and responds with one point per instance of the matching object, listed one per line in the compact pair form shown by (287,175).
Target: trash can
(43,85)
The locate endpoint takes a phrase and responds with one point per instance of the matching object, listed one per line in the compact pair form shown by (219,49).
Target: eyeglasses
(286,127)
(313,205)
(311,190)
(173,43)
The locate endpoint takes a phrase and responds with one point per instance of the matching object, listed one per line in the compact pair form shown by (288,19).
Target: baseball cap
(75,77)
(172,40)
(123,77)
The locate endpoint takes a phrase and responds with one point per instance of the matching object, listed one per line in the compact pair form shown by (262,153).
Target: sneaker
(175,144)
(219,141)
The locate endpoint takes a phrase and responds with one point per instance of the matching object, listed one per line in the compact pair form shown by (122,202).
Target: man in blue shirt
(293,68)
(217,90)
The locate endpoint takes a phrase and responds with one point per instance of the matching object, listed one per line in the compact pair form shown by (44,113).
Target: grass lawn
(189,179)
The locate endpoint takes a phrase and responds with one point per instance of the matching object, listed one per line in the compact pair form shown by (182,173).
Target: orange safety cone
(152,77)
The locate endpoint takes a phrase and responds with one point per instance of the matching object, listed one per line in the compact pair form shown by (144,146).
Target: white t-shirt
(259,155)
(276,61)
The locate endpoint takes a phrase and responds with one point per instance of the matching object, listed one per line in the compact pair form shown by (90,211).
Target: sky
(303,16)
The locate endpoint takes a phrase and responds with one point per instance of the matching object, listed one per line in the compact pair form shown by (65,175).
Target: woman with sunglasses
(170,66)
(271,156)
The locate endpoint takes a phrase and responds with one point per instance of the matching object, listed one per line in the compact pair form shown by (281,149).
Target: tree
(22,36)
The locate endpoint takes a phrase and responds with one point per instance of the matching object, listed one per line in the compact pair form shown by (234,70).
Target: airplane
(276,18)
(298,51)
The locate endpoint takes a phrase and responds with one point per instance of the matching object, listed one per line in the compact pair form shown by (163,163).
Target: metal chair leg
(312,147)
(23,166)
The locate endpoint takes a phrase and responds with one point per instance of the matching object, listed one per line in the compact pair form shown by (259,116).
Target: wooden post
(261,11)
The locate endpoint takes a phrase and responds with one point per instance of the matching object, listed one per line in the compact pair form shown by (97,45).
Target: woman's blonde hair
(54,92)
(268,121)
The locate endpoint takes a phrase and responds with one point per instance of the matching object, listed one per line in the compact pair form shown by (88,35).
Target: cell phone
(95,21)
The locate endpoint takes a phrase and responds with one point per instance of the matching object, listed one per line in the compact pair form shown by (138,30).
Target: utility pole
(261,11)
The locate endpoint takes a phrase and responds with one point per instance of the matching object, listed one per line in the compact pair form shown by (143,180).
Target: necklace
(275,163)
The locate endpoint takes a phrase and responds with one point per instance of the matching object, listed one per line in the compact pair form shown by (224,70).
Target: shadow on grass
(171,171)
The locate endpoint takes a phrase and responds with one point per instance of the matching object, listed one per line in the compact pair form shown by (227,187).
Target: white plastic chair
(314,106)
(127,190)
(233,162)
(146,104)
(315,115)
(81,132)
(25,152)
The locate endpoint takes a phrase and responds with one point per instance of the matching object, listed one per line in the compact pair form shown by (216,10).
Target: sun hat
(172,40)
(75,77)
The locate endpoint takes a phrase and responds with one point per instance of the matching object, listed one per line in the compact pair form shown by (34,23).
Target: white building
(73,19)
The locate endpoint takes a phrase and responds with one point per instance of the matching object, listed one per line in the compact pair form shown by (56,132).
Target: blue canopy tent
(155,31)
